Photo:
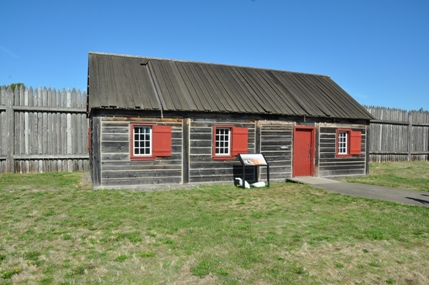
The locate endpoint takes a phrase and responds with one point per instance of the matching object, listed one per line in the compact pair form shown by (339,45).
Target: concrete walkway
(407,197)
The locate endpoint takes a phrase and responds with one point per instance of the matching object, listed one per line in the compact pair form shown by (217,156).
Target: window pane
(222,141)
(342,143)
(142,140)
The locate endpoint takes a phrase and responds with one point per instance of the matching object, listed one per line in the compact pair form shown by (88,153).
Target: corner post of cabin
(367,148)
(96,151)
(186,149)
(258,131)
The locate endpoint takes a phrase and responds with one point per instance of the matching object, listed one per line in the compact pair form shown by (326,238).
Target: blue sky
(377,50)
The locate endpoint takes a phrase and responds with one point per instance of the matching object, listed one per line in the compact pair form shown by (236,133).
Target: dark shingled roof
(128,82)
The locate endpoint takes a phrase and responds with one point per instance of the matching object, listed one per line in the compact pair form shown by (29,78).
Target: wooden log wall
(202,167)
(43,130)
(276,145)
(329,164)
(118,170)
(398,135)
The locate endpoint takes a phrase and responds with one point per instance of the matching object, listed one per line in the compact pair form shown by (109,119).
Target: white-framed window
(149,141)
(229,141)
(142,140)
(342,142)
(349,143)
(223,141)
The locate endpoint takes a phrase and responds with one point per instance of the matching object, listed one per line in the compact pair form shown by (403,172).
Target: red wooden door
(303,151)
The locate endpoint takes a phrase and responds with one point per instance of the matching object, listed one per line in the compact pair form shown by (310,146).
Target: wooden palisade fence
(43,130)
(398,135)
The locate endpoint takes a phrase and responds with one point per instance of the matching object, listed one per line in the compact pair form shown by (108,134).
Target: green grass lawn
(406,175)
(55,230)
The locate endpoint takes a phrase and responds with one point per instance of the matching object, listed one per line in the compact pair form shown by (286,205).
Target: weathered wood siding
(398,135)
(276,145)
(419,135)
(192,151)
(118,170)
(202,168)
(43,130)
(3,131)
(331,166)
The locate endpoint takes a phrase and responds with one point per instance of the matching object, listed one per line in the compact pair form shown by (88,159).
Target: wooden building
(160,121)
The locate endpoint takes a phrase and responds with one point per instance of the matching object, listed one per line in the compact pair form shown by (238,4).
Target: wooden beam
(47,156)
(48,109)
(421,125)
(388,122)
(398,152)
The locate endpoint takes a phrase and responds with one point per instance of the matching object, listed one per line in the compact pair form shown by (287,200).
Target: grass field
(55,230)
(406,175)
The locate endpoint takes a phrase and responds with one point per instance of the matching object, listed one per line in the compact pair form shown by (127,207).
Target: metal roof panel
(128,82)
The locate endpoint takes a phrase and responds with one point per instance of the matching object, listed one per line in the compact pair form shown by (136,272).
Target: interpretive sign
(254,159)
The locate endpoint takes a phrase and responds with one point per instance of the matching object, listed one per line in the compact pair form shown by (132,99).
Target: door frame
(312,147)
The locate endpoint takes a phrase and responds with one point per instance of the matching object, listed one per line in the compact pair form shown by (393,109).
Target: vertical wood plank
(79,135)
(40,97)
(21,96)
(69,134)
(2,127)
(2,92)
(30,97)
(64,133)
(58,133)
(45,97)
(17,133)
(10,119)
(409,136)
(73,98)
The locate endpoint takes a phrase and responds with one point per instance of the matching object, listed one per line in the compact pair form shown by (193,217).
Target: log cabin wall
(118,170)
(192,142)
(202,166)
(329,164)
(276,145)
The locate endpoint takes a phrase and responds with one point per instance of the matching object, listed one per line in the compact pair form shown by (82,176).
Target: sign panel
(255,159)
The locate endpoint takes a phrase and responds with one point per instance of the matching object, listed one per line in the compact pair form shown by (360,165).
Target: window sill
(226,157)
(346,155)
(142,157)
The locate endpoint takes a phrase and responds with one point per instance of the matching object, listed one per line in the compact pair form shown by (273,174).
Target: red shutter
(161,141)
(239,140)
(355,142)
